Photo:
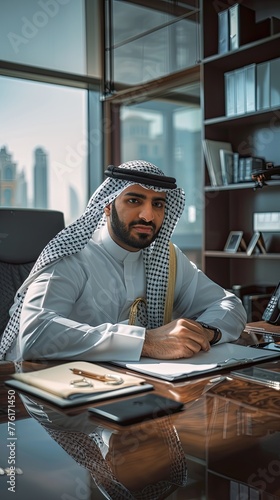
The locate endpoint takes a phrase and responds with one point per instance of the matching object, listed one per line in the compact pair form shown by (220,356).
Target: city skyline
(40,184)
(51,117)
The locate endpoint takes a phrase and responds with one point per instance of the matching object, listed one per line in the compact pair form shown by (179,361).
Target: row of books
(237,26)
(228,167)
(252,88)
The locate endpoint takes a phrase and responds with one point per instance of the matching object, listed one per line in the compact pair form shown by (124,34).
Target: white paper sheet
(220,356)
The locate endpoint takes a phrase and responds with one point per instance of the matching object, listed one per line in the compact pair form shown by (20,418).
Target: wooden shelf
(243,185)
(240,255)
(229,208)
(257,51)
(245,119)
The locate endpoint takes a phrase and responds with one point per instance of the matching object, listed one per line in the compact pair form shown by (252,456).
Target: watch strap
(217,332)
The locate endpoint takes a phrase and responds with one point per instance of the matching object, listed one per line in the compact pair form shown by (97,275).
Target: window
(8,174)
(7,196)
(44,137)
(172,141)
(151,41)
(44,33)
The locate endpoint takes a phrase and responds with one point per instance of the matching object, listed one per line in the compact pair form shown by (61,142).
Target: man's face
(135,217)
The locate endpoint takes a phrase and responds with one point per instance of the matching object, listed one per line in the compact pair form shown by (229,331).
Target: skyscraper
(8,183)
(40,179)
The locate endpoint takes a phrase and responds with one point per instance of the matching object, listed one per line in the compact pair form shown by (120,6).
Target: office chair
(23,235)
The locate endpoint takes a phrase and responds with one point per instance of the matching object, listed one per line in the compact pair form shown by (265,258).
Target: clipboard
(219,357)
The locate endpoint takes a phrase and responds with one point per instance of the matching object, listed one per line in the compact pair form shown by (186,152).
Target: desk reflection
(143,461)
(224,444)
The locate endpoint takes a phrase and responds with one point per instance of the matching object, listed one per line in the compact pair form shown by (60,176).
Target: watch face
(208,327)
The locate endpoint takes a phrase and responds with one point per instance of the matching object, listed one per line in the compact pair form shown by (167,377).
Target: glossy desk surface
(225,444)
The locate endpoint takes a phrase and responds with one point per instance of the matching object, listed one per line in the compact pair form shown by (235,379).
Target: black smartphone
(137,409)
(272,311)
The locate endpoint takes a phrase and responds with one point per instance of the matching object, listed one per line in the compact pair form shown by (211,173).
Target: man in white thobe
(76,303)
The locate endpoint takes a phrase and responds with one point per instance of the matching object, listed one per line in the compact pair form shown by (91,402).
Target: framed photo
(233,242)
(256,242)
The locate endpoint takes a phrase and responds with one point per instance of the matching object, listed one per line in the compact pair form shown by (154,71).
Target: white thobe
(78,307)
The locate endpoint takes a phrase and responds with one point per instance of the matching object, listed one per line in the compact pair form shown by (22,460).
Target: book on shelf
(274,82)
(239,81)
(263,85)
(237,26)
(268,27)
(223,31)
(77,382)
(240,90)
(241,168)
(211,150)
(250,88)
(274,23)
(253,163)
(235,167)
(230,96)
(249,164)
(243,27)
(226,158)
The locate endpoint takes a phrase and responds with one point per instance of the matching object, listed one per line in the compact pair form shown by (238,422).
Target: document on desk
(77,382)
(219,357)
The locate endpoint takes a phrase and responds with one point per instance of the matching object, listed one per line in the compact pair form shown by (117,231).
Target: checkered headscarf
(74,237)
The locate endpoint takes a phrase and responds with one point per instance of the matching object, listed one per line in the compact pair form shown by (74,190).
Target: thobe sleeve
(198,297)
(46,332)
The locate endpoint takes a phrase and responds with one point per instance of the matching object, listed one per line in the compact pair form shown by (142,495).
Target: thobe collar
(119,253)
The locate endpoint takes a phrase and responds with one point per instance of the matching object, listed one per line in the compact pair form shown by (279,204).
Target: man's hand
(181,338)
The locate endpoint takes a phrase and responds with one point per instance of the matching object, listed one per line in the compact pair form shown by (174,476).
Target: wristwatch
(217,332)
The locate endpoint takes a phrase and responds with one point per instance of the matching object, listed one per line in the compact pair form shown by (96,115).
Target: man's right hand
(181,338)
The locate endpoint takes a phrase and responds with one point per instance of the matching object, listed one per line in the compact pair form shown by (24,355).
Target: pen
(107,378)
(260,345)
(265,344)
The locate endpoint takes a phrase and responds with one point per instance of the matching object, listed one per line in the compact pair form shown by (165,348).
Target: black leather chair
(23,235)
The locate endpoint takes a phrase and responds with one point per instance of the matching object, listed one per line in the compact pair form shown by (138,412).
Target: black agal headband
(141,177)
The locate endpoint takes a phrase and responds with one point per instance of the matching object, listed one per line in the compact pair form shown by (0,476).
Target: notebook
(62,387)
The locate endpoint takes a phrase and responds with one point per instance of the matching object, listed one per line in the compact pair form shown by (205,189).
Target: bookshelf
(255,133)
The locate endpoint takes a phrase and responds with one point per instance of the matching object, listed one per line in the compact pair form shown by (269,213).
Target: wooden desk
(225,444)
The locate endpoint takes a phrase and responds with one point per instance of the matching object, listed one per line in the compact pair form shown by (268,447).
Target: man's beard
(123,233)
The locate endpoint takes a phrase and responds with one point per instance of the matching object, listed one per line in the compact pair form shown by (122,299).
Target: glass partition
(167,132)
(149,40)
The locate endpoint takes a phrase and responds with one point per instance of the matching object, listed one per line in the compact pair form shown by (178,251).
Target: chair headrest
(25,232)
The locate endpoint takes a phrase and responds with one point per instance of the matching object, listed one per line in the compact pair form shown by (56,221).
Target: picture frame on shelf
(256,241)
(234,242)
